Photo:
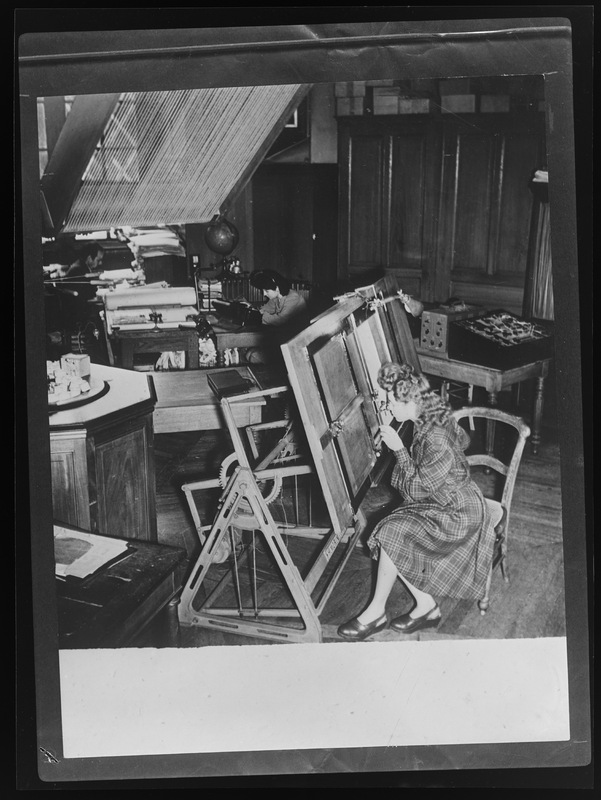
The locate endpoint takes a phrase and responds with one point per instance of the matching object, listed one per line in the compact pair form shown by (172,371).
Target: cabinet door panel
(366,201)
(521,153)
(473,203)
(70,503)
(409,184)
(70,496)
(122,485)
(441,200)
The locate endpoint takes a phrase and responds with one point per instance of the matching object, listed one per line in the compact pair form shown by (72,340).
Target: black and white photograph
(303,498)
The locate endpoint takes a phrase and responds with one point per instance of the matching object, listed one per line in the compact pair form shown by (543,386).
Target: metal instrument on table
(145,308)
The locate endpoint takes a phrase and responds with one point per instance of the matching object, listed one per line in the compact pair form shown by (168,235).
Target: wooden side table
(157,341)
(493,381)
(119,602)
(102,458)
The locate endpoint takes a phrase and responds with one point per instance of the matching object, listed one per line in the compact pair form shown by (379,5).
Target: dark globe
(221,236)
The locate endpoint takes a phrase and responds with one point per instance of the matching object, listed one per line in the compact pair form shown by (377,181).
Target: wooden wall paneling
(523,152)
(413,212)
(473,198)
(389,198)
(367,187)
(491,203)
(363,247)
(344,203)
(433,162)
(438,200)
(410,188)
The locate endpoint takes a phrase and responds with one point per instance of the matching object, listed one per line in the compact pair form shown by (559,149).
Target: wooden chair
(503,441)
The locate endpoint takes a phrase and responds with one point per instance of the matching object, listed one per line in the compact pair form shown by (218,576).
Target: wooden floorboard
(531,605)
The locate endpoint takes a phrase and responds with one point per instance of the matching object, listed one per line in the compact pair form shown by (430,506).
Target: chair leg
(484,602)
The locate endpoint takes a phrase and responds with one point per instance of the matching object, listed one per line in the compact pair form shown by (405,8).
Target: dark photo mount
(67,60)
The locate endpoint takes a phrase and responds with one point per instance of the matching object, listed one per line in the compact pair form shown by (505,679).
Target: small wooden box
(434,336)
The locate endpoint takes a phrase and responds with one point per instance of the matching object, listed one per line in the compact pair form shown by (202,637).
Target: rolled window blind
(175,157)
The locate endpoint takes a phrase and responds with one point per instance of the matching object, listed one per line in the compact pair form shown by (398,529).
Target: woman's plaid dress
(441,538)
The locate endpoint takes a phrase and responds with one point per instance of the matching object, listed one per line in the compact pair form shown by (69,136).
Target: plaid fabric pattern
(441,538)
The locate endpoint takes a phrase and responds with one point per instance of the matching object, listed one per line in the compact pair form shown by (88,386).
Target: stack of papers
(79,554)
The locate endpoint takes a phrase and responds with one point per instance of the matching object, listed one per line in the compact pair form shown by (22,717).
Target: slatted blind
(174,157)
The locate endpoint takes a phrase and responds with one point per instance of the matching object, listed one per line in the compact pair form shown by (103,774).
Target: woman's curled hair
(405,385)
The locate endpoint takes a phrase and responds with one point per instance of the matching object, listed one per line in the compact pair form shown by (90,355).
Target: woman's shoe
(408,624)
(355,631)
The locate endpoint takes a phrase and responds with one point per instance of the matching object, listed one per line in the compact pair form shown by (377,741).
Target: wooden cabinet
(102,460)
(387,178)
(442,200)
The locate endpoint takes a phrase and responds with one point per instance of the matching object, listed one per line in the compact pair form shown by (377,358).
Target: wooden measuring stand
(243,507)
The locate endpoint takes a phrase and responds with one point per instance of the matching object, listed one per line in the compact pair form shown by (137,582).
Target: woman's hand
(391,438)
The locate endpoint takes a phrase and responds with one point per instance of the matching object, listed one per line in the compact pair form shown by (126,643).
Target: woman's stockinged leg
(424,602)
(424,614)
(386,575)
(385,578)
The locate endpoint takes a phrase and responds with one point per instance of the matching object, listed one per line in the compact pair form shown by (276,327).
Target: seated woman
(283,304)
(439,542)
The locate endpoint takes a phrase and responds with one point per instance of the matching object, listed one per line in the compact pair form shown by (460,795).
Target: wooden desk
(494,381)
(186,402)
(115,605)
(159,341)
(230,334)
